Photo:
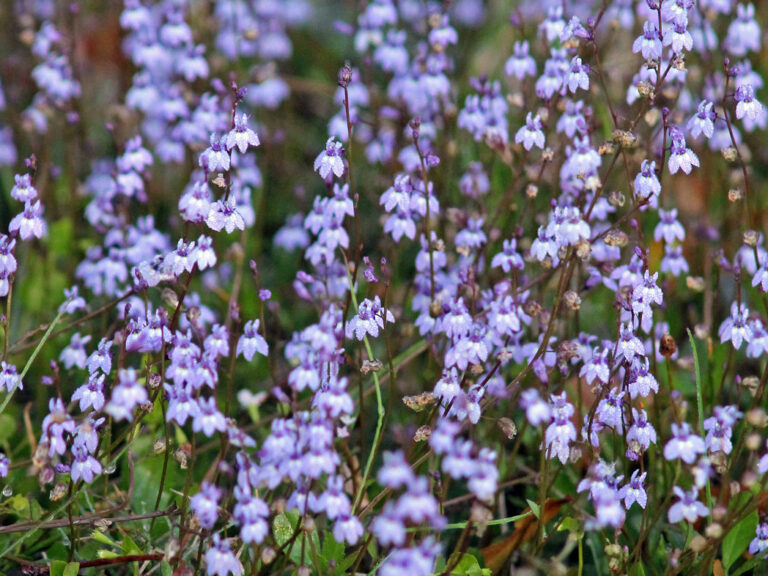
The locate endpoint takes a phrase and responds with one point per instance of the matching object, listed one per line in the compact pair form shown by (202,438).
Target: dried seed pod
(422,434)
(667,345)
(420,402)
(508,427)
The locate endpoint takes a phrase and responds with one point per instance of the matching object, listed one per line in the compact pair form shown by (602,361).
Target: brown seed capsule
(751,383)
(572,300)
(508,427)
(616,198)
(371,366)
(751,238)
(616,238)
(667,345)
(695,283)
(422,434)
(435,309)
(729,153)
(420,402)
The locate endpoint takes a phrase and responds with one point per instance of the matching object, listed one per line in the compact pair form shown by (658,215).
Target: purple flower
(681,158)
(578,76)
(91,394)
(220,560)
(215,158)
(57,423)
(205,504)
(720,428)
(330,160)
(736,328)
(610,410)
(561,432)
(9,377)
(85,467)
(521,64)
(634,491)
(126,396)
(241,136)
(369,320)
(683,444)
(24,190)
(251,341)
(703,122)
(347,529)
(5,464)
(687,507)
(759,543)
(531,134)
(30,222)
(649,43)
(536,410)
(641,432)
(224,214)
(208,419)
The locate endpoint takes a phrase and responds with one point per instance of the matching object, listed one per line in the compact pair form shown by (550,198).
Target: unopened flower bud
(714,531)
(698,544)
(754,441)
(268,555)
(755,417)
(345,76)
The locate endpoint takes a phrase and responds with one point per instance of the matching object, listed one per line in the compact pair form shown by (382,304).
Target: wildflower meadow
(383,287)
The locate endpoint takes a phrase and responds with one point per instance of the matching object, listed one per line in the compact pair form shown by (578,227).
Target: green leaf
(7,427)
(107,554)
(738,538)
(637,570)
(332,550)
(469,566)
(72,569)
(129,547)
(57,568)
(534,508)
(103,538)
(166,569)
(281,528)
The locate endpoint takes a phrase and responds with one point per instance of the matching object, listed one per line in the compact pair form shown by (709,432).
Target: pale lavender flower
(220,560)
(241,136)
(684,444)
(736,328)
(687,507)
(531,134)
(224,214)
(634,491)
(759,543)
(251,341)
(205,504)
(330,160)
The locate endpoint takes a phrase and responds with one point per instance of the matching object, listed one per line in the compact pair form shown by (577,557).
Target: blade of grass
(700,409)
